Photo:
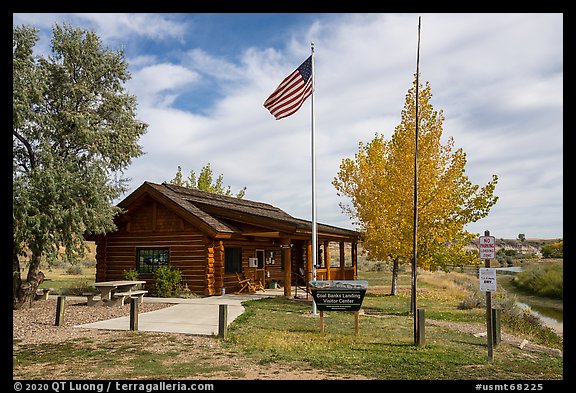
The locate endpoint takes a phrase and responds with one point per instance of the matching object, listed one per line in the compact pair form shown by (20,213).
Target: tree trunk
(394,290)
(16,279)
(24,292)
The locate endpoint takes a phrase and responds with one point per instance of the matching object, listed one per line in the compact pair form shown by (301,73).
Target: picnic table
(116,292)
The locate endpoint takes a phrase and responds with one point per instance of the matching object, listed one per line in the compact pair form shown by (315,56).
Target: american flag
(292,92)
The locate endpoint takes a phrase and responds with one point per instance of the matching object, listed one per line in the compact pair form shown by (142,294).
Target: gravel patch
(36,325)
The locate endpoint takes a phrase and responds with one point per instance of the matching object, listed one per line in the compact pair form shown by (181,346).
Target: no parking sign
(487,247)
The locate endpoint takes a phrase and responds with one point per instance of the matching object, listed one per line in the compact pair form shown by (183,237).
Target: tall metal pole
(415,233)
(314,229)
(489,335)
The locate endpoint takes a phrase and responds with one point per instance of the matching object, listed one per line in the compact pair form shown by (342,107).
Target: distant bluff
(526,246)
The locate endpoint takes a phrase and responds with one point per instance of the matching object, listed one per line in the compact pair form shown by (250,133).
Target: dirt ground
(36,325)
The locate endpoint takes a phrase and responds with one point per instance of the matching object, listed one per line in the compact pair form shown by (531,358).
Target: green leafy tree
(379,182)
(74,133)
(205,182)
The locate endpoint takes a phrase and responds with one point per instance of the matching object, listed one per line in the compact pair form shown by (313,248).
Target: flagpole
(415,234)
(313,143)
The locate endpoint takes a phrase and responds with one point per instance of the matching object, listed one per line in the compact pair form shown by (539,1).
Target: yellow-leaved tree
(379,182)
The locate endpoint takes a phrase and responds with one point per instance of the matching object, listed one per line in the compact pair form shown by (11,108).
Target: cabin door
(261,268)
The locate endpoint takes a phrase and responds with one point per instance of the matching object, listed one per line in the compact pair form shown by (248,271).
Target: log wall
(154,226)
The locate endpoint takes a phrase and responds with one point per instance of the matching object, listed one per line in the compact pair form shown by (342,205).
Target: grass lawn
(64,283)
(273,330)
(284,330)
(279,330)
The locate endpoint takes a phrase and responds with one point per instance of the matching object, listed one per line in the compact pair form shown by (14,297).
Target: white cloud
(498,78)
(213,66)
(114,26)
(159,84)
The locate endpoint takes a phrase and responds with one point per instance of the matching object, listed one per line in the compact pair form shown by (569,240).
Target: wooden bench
(42,293)
(120,297)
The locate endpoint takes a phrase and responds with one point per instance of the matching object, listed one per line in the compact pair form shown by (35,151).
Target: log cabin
(214,240)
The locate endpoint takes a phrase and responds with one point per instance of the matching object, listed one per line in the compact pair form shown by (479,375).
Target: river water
(549,316)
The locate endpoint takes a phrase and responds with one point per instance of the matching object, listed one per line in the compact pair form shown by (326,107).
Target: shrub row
(542,280)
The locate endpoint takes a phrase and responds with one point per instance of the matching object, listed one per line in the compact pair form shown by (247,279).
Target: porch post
(287,255)
(308,261)
(355,259)
(342,261)
(327,259)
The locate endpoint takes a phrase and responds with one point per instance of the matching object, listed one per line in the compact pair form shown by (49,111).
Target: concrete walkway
(198,316)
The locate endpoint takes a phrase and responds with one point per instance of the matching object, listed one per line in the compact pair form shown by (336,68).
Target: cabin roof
(221,215)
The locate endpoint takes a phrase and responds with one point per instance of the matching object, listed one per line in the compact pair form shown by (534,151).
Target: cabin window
(150,259)
(233,260)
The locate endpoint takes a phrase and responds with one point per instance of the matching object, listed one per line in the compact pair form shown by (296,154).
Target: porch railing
(300,282)
(335,274)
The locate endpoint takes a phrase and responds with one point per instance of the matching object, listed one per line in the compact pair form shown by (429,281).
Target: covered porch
(337,259)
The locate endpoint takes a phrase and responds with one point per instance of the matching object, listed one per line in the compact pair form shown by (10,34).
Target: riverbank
(550,311)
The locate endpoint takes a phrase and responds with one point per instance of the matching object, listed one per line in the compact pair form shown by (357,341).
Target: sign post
(339,295)
(487,246)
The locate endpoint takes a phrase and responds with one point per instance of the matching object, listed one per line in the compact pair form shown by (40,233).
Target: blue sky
(201,79)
